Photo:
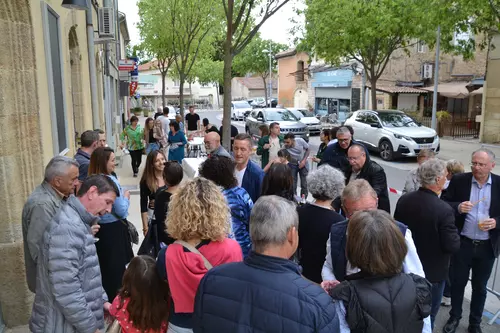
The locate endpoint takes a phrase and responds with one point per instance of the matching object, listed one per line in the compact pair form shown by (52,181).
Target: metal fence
(455,127)
(494,287)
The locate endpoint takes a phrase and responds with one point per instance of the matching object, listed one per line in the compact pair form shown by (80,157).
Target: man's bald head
(212,141)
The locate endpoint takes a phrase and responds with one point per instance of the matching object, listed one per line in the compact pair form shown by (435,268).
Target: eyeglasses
(343,140)
(477,164)
(353,158)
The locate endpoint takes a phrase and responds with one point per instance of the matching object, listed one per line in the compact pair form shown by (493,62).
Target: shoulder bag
(132,230)
(193,249)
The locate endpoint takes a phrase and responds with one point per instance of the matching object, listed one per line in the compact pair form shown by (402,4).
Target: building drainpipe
(92,66)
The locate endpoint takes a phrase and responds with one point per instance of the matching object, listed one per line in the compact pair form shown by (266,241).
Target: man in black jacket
(336,153)
(362,167)
(474,198)
(432,223)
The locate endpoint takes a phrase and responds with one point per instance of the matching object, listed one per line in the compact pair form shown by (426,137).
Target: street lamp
(75,4)
(270,72)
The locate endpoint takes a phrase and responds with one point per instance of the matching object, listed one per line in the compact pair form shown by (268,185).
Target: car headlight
(397,136)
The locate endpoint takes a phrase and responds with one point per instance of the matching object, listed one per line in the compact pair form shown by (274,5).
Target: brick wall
(408,68)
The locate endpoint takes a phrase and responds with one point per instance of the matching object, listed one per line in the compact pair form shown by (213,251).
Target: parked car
(258,102)
(288,122)
(240,110)
(307,117)
(392,133)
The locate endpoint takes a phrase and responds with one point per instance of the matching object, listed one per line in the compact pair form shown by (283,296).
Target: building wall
(27,142)
(490,117)
(287,82)
(405,67)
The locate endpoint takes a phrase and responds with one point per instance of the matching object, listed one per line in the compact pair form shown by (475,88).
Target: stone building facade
(45,100)
(293,79)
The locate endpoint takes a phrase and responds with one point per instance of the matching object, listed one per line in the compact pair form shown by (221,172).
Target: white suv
(392,133)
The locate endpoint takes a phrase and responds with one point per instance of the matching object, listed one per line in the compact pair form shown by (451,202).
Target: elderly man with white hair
(60,181)
(266,292)
(316,218)
(432,223)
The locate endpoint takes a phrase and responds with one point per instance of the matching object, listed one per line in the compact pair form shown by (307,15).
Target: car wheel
(386,150)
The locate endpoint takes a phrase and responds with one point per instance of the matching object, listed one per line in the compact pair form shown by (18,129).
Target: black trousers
(136,156)
(478,257)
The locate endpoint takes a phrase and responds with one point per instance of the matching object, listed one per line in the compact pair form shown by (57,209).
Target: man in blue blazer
(248,173)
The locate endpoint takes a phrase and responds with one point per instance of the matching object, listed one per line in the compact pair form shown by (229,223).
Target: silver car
(287,121)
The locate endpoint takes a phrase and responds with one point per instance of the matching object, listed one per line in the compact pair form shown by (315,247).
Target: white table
(195,146)
(191,166)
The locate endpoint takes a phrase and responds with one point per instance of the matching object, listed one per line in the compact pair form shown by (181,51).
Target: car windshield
(297,114)
(280,115)
(396,120)
(306,113)
(242,105)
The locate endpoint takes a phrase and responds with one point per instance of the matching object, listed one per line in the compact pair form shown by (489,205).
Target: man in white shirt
(359,195)
(165,122)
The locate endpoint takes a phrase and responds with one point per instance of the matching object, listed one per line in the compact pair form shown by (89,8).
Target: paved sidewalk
(462,150)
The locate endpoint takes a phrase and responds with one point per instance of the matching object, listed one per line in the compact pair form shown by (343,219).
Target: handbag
(192,249)
(150,245)
(132,230)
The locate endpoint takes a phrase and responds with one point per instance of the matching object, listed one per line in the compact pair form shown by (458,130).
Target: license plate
(425,146)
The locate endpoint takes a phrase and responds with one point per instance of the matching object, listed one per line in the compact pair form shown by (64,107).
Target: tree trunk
(163,77)
(373,83)
(226,118)
(265,90)
(228,64)
(181,95)
(191,94)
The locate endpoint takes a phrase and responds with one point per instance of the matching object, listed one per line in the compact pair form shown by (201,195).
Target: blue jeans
(437,294)
(152,147)
(296,172)
(479,258)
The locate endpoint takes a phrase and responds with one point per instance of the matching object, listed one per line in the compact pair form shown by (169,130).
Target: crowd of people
(237,250)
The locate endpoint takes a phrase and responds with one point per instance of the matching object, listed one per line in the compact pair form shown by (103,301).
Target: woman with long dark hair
(279,181)
(151,181)
(114,247)
(152,143)
(142,303)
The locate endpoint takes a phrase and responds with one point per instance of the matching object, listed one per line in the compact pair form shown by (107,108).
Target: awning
(477,92)
(451,89)
(393,89)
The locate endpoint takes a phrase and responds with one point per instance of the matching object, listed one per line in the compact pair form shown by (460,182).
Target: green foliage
(254,60)
(443,115)
(209,71)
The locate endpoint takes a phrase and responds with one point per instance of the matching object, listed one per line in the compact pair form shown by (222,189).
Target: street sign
(126,65)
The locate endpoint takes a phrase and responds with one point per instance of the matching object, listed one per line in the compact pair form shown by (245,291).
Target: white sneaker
(446,301)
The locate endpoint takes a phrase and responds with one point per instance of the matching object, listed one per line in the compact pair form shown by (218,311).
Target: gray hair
(426,153)
(454,167)
(59,166)
(326,183)
(271,219)
(430,170)
(343,130)
(491,154)
(358,189)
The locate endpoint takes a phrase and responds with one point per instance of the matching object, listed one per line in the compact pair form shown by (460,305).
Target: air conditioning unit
(106,22)
(427,71)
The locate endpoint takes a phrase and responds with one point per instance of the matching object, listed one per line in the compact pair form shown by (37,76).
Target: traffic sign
(126,65)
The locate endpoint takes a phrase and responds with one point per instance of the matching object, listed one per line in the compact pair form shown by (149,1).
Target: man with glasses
(336,154)
(213,146)
(473,196)
(362,167)
(358,195)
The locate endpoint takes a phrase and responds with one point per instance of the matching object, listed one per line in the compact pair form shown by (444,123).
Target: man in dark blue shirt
(89,142)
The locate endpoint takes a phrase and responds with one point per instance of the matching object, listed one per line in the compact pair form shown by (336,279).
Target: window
(300,71)
(361,117)
(177,83)
(371,119)
(421,46)
(55,78)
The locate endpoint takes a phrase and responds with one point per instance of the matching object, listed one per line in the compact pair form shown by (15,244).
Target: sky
(276,28)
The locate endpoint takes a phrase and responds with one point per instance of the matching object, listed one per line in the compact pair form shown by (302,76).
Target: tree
(136,51)
(241,27)
(192,24)
(156,40)
(254,59)
(365,31)
(209,71)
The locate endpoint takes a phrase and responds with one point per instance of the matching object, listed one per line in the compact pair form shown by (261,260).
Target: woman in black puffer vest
(380,298)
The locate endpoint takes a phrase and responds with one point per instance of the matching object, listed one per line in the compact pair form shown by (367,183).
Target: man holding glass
(473,196)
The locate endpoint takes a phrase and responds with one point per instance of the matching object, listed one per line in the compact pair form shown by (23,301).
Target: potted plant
(137,111)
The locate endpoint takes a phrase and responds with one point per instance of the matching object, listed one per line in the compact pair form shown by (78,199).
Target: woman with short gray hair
(412,183)
(316,218)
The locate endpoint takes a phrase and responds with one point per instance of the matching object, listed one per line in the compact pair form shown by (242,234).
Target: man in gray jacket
(69,294)
(61,179)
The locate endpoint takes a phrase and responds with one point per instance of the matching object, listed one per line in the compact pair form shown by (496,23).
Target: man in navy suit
(248,173)
(474,196)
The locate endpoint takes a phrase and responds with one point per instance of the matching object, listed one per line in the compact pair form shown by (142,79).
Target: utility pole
(436,81)
(270,74)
